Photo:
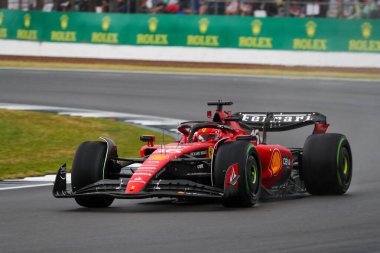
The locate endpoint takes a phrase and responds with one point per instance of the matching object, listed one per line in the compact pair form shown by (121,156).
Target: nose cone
(158,160)
(147,170)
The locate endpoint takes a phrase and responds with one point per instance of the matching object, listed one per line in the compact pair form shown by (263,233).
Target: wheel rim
(254,176)
(345,167)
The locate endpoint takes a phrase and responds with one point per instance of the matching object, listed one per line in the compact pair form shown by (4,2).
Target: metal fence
(346,9)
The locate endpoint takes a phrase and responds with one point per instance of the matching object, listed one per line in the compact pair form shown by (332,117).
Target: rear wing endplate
(280,121)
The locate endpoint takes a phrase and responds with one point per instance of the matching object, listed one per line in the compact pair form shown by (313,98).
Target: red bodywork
(276,161)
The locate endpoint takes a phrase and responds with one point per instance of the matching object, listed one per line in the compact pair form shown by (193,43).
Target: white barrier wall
(156,53)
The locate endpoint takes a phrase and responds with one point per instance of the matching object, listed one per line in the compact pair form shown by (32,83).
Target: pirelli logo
(278,118)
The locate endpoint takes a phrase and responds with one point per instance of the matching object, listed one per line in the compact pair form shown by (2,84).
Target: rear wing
(281,121)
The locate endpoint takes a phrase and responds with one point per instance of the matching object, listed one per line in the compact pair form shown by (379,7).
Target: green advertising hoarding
(330,35)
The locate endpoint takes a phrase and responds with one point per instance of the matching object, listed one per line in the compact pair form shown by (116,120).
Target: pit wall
(232,39)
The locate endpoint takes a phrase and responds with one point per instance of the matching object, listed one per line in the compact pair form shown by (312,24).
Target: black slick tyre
(327,164)
(241,186)
(87,169)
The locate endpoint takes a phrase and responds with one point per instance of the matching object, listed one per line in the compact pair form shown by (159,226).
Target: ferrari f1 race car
(226,158)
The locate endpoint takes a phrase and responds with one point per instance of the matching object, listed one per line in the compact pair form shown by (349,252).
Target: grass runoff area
(37,143)
(186,67)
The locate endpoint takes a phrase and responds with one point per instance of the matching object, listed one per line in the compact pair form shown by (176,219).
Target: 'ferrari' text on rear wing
(280,121)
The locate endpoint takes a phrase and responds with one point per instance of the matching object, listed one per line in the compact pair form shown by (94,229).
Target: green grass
(36,143)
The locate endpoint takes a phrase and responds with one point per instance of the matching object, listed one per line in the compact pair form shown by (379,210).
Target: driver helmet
(207,134)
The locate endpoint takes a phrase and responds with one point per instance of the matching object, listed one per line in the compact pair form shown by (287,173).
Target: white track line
(145,120)
(47,178)
(25,186)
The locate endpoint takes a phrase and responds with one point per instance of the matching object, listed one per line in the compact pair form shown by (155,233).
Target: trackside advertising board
(323,35)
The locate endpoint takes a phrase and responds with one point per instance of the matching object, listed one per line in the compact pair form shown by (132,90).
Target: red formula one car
(226,158)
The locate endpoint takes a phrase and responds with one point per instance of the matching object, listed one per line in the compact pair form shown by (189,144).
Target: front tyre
(87,169)
(327,164)
(237,170)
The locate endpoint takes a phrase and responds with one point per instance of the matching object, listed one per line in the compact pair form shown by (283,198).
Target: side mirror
(149,139)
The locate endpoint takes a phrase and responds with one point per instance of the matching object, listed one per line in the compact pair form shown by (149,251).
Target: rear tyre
(327,164)
(237,170)
(87,169)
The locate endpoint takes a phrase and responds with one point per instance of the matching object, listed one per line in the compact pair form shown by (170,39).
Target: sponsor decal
(199,153)
(142,174)
(310,43)
(62,172)
(170,150)
(3,31)
(255,41)
(151,162)
(137,180)
(203,25)
(256,133)
(106,21)
(286,161)
(210,151)
(365,44)
(153,23)
(27,34)
(311,28)
(366,30)
(232,175)
(146,168)
(158,157)
(68,36)
(64,22)
(105,36)
(286,164)
(278,118)
(178,147)
(27,20)
(256,27)
(151,38)
(276,161)
(203,40)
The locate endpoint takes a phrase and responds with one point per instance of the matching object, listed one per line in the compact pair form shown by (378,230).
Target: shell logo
(203,25)
(366,30)
(153,24)
(210,152)
(311,28)
(106,21)
(275,162)
(27,20)
(64,21)
(1,18)
(256,27)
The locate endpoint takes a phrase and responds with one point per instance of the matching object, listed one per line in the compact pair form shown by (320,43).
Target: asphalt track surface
(31,220)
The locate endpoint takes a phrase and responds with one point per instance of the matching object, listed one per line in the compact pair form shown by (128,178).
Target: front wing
(155,188)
